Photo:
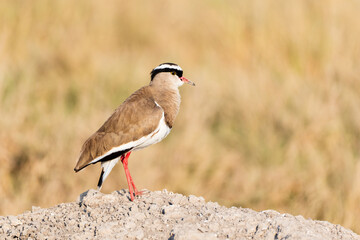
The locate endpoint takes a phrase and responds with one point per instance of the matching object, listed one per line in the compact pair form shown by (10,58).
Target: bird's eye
(173,73)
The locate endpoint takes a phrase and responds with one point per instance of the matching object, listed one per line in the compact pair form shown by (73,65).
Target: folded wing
(128,127)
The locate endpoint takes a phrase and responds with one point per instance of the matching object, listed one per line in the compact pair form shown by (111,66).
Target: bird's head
(170,72)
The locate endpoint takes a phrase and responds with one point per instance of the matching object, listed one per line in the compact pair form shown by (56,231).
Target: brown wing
(138,116)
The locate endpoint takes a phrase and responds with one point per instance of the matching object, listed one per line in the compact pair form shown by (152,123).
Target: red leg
(132,188)
(124,161)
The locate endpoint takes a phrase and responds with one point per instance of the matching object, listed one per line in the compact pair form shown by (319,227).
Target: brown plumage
(136,123)
(136,117)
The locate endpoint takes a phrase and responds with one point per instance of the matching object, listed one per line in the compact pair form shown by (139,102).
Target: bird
(146,117)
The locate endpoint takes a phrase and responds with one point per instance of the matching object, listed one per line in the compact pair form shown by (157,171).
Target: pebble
(14,221)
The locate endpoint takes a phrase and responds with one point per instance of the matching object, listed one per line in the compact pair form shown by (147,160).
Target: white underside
(156,136)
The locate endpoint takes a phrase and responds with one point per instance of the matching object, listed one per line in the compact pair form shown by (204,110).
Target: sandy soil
(160,215)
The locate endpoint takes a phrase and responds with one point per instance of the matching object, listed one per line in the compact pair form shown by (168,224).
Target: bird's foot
(134,193)
(141,193)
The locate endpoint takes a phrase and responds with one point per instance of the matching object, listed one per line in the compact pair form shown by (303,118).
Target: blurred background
(273,123)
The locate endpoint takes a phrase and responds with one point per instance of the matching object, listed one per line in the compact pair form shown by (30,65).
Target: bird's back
(137,116)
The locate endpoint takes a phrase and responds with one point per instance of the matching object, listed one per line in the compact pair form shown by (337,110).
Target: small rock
(14,221)
(214,227)
(5,228)
(130,225)
(270,213)
(193,199)
(172,211)
(35,208)
(138,234)
(134,209)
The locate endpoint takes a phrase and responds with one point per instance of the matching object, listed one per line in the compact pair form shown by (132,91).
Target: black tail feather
(100,179)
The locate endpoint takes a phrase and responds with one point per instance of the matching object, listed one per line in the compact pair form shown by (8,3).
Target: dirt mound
(160,215)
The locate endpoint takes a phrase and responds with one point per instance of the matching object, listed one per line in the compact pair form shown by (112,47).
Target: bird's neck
(169,99)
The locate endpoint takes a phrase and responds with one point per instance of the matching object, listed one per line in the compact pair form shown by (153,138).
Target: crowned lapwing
(143,119)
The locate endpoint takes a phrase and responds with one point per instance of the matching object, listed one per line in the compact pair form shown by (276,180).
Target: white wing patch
(156,136)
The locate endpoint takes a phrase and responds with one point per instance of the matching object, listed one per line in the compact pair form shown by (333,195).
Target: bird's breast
(169,100)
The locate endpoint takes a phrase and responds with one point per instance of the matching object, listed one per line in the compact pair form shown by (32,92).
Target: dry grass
(274,121)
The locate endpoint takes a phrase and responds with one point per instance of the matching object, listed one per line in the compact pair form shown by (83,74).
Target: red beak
(185,80)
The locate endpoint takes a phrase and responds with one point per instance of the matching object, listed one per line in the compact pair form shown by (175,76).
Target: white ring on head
(163,66)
